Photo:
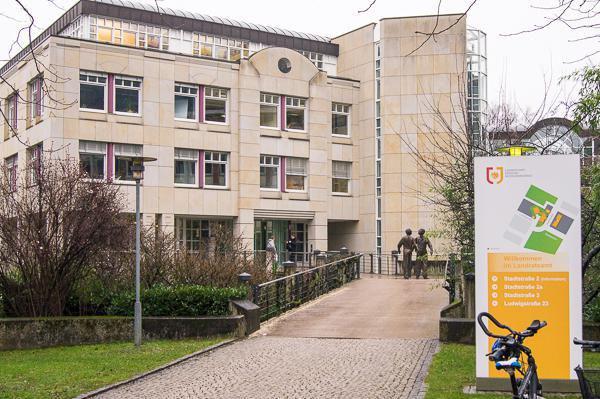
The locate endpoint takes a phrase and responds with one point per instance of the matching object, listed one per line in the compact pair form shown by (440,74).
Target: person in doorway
(290,246)
(407,244)
(422,243)
(271,252)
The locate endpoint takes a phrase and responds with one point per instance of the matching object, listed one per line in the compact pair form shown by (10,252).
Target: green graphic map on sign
(550,224)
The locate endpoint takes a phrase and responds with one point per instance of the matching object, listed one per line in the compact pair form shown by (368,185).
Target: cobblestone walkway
(277,367)
(314,362)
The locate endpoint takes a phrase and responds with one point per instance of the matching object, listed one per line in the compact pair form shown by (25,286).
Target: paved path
(366,340)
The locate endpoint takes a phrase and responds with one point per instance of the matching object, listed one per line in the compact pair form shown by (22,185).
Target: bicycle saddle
(511,363)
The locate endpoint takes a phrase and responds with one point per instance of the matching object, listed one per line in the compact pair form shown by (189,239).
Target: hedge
(188,300)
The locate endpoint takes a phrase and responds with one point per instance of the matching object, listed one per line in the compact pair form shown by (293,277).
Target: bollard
(289,267)
(321,259)
(244,279)
(395,260)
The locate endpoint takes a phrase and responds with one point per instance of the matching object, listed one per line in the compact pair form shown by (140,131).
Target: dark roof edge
(343,78)
(196,25)
(425,16)
(354,30)
(56,27)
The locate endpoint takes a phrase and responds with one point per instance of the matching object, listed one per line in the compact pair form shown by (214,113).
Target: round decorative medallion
(284,65)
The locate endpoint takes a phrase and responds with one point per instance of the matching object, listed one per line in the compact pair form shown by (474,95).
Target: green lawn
(65,372)
(454,368)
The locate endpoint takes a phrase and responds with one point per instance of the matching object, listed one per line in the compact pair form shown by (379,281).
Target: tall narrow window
(11,111)
(34,89)
(215,169)
(340,119)
(341,175)
(11,171)
(92,91)
(269,172)
(295,174)
(124,154)
(186,164)
(185,101)
(34,163)
(295,113)
(269,110)
(127,95)
(215,105)
(92,158)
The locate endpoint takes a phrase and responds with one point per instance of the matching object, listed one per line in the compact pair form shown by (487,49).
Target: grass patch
(68,371)
(454,368)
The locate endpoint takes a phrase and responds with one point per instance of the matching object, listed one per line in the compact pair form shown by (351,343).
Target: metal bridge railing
(282,294)
(391,265)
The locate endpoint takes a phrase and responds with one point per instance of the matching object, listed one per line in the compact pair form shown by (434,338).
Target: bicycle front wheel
(534,390)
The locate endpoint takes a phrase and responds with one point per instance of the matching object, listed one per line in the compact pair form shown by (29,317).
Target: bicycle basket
(589,382)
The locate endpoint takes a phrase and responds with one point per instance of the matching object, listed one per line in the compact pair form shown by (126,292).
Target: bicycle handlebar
(526,333)
(487,332)
(591,344)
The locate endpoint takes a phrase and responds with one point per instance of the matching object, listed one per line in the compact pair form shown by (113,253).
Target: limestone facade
(410,84)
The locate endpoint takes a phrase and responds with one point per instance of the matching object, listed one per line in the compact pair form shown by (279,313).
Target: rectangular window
(35,98)
(11,111)
(92,91)
(34,163)
(127,95)
(129,38)
(192,234)
(11,170)
(92,158)
(186,164)
(340,119)
(185,101)
(124,154)
(215,169)
(269,110)
(269,172)
(341,175)
(215,105)
(295,113)
(295,174)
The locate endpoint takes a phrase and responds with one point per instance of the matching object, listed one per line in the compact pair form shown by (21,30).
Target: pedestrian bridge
(372,338)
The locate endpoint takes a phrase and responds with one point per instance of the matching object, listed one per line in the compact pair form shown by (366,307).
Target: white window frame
(341,109)
(209,94)
(12,165)
(182,87)
(288,161)
(120,150)
(218,162)
(296,103)
(12,116)
(34,89)
(267,99)
(349,178)
(34,159)
(179,155)
(263,163)
(105,85)
(103,151)
(131,80)
(181,231)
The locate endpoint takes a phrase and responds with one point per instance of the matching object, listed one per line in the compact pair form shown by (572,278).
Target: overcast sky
(518,66)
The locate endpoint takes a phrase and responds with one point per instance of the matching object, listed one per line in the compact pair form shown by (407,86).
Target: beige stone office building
(276,131)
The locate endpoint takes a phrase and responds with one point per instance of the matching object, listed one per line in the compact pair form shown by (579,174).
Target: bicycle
(589,380)
(507,352)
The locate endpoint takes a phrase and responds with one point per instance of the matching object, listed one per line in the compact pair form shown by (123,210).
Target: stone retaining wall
(25,333)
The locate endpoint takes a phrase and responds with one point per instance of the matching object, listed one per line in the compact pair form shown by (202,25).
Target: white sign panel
(528,256)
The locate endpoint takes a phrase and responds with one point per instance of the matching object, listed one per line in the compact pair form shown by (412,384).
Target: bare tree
(48,97)
(54,224)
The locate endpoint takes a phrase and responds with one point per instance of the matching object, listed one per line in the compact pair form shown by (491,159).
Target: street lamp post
(137,170)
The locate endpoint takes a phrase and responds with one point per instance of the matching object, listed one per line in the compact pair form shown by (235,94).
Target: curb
(156,370)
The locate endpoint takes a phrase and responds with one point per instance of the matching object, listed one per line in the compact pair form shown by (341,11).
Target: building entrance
(282,230)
